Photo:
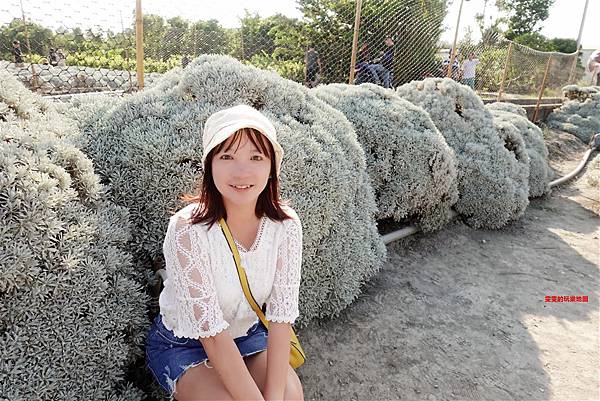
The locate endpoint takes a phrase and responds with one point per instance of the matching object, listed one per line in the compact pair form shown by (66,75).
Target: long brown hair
(210,201)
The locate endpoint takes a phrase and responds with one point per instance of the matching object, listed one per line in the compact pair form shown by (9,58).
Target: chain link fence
(74,47)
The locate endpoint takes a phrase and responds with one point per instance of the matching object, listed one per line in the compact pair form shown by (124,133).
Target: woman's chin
(240,199)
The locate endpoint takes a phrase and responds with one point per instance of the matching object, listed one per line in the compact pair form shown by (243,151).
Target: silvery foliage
(592,178)
(148,149)
(508,107)
(72,311)
(592,174)
(491,179)
(540,173)
(412,169)
(580,114)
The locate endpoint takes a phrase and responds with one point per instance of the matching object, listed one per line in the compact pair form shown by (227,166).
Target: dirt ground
(460,314)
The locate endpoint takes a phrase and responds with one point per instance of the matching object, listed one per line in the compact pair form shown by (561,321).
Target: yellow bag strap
(242,273)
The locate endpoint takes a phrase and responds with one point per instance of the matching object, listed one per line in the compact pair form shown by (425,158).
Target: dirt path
(460,314)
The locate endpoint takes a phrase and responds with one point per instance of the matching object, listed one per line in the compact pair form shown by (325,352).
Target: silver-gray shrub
(508,107)
(580,114)
(148,150)
(540,173)
(72,311)
(412,169)
(492,183)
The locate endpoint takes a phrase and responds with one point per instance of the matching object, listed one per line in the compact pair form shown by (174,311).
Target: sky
(564,21)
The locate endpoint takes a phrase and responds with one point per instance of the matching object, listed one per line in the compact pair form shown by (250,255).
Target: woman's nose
(242,168)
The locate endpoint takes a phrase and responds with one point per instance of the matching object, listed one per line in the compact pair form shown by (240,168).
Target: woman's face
(240,172)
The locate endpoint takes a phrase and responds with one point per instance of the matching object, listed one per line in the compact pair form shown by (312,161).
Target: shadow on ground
(461,315)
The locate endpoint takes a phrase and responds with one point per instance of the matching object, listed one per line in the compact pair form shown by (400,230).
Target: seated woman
(207,342)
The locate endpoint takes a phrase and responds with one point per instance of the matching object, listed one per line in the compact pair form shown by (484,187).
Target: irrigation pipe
(593,146)
(410,230)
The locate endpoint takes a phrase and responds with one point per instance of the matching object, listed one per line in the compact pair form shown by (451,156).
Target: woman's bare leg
(200,383)
(257,366)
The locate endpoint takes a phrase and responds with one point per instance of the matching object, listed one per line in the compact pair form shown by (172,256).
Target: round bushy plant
(72,311)
(540,173)
(580,115)
(412,169)
(492,182)
(508,107)
(148,150)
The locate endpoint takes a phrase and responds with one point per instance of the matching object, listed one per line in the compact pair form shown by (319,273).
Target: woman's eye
(257,157)
(225,157)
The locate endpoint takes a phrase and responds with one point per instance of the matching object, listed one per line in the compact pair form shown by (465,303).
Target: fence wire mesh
(57,48)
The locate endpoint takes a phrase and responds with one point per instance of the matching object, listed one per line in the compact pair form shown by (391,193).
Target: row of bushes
(94,234)
(111,59)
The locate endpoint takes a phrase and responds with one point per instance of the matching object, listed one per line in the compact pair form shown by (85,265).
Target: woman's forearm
(278,356)
(225,357)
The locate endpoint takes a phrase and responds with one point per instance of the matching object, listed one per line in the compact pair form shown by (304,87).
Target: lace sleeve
(282,305)
(196,311)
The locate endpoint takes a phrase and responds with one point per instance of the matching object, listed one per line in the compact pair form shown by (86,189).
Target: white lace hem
(194,333)
(282,319)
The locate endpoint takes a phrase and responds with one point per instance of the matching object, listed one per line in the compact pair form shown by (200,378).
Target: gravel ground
(461,314)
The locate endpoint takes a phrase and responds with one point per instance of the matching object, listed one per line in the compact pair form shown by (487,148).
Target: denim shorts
(168,356)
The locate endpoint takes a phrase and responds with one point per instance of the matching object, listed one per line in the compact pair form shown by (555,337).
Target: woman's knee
(293,388)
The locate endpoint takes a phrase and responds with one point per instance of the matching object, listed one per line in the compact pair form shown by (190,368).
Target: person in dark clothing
(53,57)
(365,71)
(312,67)
(386,63)
(185,61)
(16,50)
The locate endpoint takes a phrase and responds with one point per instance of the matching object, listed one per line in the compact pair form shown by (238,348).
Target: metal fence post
(572,72)
(355,40)
(504,72)
(139,44)
(537,106)
(453,50)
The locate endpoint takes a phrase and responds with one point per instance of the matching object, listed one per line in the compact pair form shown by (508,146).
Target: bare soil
(461,314)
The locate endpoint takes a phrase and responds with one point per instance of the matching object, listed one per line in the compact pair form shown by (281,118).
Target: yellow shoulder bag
(297,355)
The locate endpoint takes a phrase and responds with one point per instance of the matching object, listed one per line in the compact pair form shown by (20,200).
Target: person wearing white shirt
(468,70)
(207,342)
(594,66)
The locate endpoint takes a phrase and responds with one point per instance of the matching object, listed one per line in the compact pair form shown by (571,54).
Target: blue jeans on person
(168,357)
(369,71)
(469,82)
(384,75)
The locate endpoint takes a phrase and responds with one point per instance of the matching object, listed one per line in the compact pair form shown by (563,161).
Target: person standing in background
(16,50)
(594,66)
(386,63)
(468,70)
(312,67)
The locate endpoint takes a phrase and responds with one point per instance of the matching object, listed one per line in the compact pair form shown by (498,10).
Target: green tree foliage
(540,42)
(524,15)
(154,35)
(205,37)
(277,35)
(415,25)
(40,38)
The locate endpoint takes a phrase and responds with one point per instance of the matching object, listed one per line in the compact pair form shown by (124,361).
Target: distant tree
(564,45)
(154,36)
(40,38)
(205,37)
(173,42)
(540,42)
(534,40)
(416,27)
(524,16)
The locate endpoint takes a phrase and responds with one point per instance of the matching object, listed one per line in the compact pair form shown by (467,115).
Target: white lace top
(202,294)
